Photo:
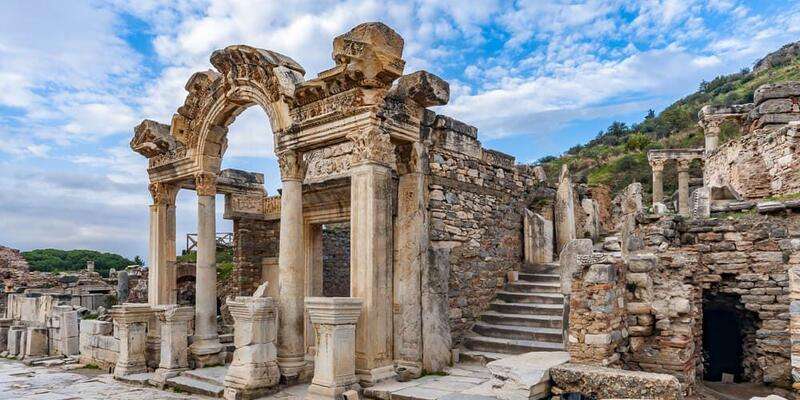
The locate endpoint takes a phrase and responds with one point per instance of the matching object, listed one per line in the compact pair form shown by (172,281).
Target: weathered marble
(564,210)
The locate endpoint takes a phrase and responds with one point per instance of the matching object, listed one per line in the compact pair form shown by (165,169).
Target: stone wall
(253,240)
(476,203)
(761,164)
(746,259)
(597,328)
(336,260)
(99,345)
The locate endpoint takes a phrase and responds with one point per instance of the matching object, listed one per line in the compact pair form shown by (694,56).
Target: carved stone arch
(245,76)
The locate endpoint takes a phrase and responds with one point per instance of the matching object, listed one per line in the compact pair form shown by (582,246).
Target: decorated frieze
(328,161)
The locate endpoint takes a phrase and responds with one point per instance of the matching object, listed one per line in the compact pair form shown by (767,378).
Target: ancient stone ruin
(398,246)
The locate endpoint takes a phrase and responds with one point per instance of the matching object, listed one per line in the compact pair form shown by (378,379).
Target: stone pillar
(254,370)
(123,286)
(334,320)
(130,324)
(161,283)
(174,322)
(371,251)
(291,267)
(564,210)
(538,238)
(658,180)
(5,324)
(36,342)
(683,187)
(411,243)
(206,347)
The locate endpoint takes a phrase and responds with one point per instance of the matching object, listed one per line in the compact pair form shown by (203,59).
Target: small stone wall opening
(728,338)
(336,260)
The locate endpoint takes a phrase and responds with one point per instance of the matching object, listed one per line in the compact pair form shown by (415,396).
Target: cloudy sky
(536,77)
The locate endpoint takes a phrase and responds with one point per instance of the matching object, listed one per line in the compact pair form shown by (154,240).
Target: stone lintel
(675,154)
(131,313)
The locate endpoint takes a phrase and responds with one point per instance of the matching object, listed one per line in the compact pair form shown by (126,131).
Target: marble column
(291,268)
(130,325)
(658,180)
(174,322)
(683,187)
(206,347)
(334,320)
(711,131)
(254,371)
(371,252)
(162,288)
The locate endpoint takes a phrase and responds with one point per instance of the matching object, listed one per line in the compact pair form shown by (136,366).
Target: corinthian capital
(292,166)
(684,164)
(657,165)
(372,145)
(163,193)
(206,184)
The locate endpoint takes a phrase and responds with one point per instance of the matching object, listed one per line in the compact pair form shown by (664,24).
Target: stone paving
(18,381)
(462,382)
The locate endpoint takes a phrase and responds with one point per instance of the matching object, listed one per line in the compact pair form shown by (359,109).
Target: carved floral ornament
(684,164)
(163,193)
(292,166)
(205,184)
(658,164)
(372,145)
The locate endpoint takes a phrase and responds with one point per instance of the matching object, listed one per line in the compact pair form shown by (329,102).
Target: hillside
(618,155)
(54,260)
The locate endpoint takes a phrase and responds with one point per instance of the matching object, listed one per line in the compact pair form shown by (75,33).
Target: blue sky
(536,77)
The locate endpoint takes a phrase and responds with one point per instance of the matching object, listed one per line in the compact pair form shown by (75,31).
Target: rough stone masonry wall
(747,257)
(477,200)
(336,260)
(761,164)
(254,240)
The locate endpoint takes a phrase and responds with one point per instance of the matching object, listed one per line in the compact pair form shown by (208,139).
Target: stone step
(509,346)
(195,386)
(546,298)
(529,320)
(528,277)
(527,308)
(518,332)
(550,268)
(534,287)
(212,375)
(481,357)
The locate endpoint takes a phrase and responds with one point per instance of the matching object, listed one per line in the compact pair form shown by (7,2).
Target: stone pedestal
(206,348)
(130,324)
(36,342)
(254,370)
(291,268)
(334,320)
(16,341)
(174,323)
(683,187)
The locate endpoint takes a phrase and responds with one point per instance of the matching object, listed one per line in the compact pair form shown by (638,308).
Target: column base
(295,369)
(206,352)
(317,392)
(408,370)
(161,375)
(124,370)
(370,377)
(251,381)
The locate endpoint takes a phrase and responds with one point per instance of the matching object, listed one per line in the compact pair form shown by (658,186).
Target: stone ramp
(205,381)
(526,316)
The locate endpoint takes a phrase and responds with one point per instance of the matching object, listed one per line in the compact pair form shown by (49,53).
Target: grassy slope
(618,157)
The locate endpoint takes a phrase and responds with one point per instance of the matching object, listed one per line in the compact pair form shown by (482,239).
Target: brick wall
(336,260)
(253,240)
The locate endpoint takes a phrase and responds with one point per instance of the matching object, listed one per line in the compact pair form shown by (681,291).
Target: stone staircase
(525,316)
(205,381)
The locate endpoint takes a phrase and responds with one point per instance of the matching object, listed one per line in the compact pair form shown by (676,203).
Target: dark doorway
(336,260)
(725,325)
